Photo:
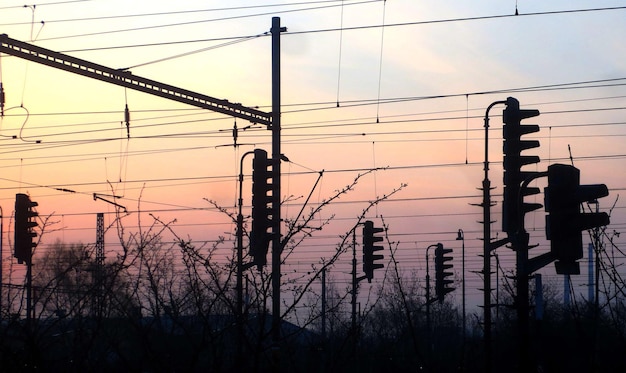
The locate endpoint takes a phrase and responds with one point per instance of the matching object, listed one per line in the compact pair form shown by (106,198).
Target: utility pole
(276,192)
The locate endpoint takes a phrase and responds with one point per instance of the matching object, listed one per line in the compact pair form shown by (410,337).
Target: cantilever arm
(126,79)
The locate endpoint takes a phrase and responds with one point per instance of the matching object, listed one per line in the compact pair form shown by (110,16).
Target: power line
(168,13)
(198,22)
(579,85)
(461,19)
(220,178)
(584,84)
(42,4)
(232,42)
(306,139)
(547,87)
(342,29)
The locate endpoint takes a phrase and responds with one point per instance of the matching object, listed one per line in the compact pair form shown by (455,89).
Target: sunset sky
(401,85)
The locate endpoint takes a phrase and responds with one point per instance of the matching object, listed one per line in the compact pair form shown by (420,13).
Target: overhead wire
(325,124)
(462,19)
(168,13)
(366,101)
(46,4)
(111,129)
(547,87)
(315,138)
(187,23)
(220,178)
(338,29)
(189,53)
(292,124)
(378,101)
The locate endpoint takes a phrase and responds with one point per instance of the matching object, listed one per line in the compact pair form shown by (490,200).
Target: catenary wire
(168,13)
(366,27)
(374,102)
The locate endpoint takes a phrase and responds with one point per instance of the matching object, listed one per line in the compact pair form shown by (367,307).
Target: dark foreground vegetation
(156,306)
(143,320)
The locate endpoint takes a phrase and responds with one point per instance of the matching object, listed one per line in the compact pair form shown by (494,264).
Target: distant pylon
(99,270)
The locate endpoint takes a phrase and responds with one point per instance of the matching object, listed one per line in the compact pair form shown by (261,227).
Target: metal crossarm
(126,79)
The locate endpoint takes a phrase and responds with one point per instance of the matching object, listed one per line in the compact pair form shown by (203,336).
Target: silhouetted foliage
(171,306)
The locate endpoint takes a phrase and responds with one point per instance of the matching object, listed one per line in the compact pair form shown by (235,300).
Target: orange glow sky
(175,158)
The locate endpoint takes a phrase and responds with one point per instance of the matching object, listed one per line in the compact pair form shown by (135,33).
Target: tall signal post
(488,245)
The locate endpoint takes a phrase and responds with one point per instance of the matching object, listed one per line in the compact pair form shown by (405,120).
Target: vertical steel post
(239,261)
(324,305)
(355,284)
(29,292)
(276,192)
(487,245)
(239,311)
(461,237)
(590,277)
(519,244)
(487,252)
(99,271)
(428,303)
